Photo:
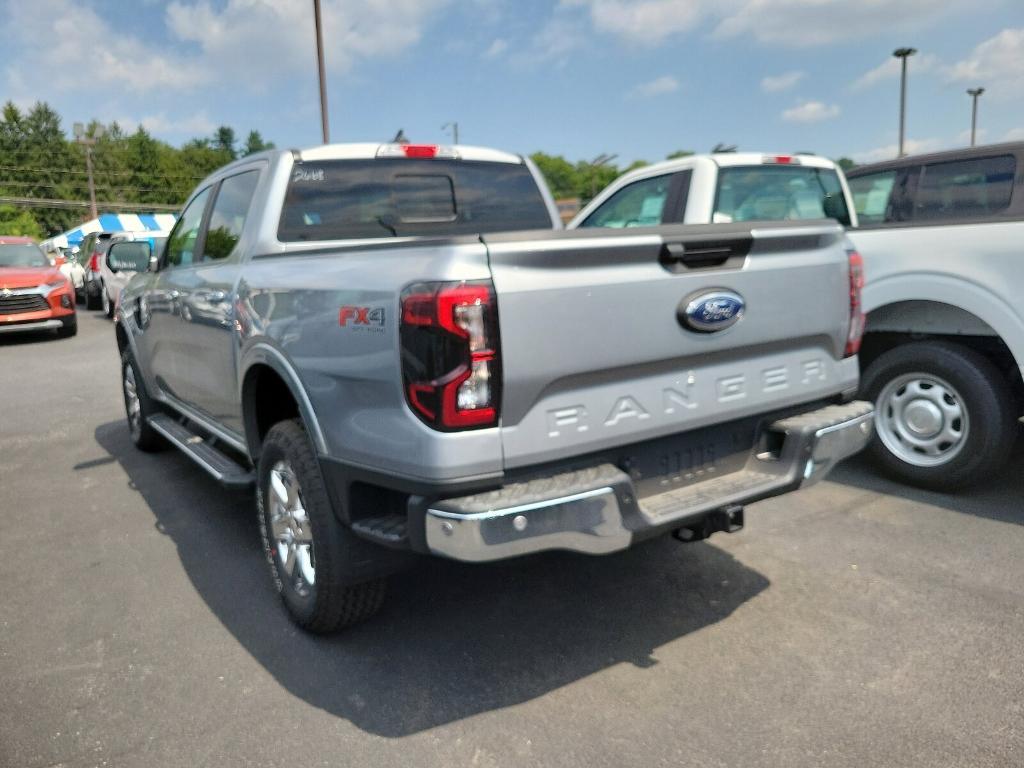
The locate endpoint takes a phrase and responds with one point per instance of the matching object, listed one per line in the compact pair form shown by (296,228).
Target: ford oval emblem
(711,311)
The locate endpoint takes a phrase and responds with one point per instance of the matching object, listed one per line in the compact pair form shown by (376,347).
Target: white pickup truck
(940,236)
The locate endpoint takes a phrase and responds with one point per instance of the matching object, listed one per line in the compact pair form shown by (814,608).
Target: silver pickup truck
(395,347)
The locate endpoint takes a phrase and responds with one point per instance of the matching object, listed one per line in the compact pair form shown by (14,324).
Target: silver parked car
(111,279)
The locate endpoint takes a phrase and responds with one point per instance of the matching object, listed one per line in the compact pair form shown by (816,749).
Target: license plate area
(693,457)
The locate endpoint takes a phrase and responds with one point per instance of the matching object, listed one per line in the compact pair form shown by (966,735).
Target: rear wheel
(304,542)
(106,304)
(944,415)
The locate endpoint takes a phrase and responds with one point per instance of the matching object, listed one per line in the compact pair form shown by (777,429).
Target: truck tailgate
(597,353)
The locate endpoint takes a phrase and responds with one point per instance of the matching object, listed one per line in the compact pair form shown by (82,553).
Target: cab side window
(184,239)
(964,189)
(871,196)
(640,204)
(227,217)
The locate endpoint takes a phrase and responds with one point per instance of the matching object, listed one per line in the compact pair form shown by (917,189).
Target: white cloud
(1014,134)
(996,64)
(783,82)
(256,40)
(498,47)
(657,87)
(244,43)
(553,43)
(819,22)
(118,60)
(643,21)
(191,125)
(811,112)
(889,151)
(890,68)
(798,23)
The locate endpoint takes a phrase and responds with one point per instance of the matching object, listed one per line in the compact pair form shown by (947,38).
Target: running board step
(389,529)
(220,467)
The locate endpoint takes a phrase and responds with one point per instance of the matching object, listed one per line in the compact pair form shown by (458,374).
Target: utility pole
(974,93)
(320,69)
(88,142)
(596,163)
(455,131)
(903,54)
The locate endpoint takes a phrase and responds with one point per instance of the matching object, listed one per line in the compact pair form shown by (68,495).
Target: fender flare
(265,353)
(966,295)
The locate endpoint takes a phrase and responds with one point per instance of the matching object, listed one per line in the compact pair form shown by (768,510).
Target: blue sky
(573,77)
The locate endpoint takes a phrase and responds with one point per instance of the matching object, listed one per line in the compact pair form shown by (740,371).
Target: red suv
(34,295)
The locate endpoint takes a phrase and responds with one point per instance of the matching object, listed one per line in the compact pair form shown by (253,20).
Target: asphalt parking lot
(855,624)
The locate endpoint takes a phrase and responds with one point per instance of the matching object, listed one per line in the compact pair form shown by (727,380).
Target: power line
(98,186)
(63,171)
(40,202)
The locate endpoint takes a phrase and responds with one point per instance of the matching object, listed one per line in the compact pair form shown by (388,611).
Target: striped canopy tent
(113,222)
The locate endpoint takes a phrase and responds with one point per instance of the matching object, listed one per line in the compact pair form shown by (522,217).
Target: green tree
(19,222)
(678,154)
(254,143)
(846,164)
(561,175)
(224,142)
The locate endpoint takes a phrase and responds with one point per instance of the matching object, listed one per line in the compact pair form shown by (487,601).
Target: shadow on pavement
(995,498)
(453,640)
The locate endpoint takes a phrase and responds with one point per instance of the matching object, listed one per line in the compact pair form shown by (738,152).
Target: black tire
(105,303)
(142,434)
(332,602)
(69,329)
(984,395)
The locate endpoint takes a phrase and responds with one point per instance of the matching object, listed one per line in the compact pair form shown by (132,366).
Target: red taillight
(420,150)
(856,332)
(94,262)
(781,160)
(450,358)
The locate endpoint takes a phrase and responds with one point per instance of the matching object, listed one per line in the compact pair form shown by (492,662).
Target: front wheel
(139,406)
(68,328)
(944,415)
(303,540)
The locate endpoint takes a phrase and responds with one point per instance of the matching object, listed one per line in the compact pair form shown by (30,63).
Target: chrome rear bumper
(596,510)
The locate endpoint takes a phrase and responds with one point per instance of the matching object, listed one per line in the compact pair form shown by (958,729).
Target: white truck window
(640,204)
(871,195)
(779,193)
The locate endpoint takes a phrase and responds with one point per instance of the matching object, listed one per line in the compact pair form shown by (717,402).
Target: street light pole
(320,70)
(903,54)
(974,93)
(455,131)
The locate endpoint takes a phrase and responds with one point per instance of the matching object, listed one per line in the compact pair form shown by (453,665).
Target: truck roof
(963,153)
(368,151)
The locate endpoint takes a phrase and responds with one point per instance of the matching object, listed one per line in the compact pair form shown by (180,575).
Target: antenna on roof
(400,137)
(720,148)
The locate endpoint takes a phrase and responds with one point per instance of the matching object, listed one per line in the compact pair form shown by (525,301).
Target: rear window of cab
(779,193)
(403,197)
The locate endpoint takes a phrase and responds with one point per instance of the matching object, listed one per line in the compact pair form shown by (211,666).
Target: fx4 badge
(362,318)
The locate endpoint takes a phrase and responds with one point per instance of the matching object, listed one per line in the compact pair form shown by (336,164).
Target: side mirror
(129,256)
